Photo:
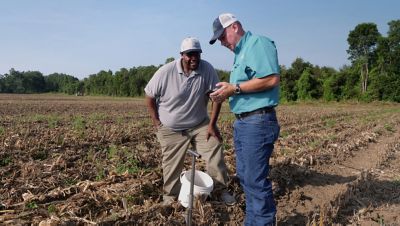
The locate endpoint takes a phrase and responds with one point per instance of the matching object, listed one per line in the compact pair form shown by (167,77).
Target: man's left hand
(213,131)
(224,91)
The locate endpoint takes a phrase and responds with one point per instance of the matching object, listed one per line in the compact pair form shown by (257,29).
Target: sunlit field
(96,160)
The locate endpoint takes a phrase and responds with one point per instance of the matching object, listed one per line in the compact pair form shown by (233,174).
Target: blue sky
(82,37)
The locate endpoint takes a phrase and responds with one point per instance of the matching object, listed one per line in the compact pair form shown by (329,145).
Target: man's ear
(235,27)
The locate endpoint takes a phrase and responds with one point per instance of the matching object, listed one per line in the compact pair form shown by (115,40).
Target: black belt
(257,111)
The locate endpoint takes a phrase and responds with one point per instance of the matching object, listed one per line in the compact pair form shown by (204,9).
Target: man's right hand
(157,124)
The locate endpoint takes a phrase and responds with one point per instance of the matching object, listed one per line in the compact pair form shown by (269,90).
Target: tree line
(374,74)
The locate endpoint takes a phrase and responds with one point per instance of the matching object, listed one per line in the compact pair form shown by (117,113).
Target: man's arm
(152,108)
(212,126)
(254,85)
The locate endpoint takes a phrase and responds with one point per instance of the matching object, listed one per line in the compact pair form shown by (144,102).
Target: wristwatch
(237,89)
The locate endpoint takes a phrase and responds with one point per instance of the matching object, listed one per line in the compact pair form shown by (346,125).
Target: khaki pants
(174,146)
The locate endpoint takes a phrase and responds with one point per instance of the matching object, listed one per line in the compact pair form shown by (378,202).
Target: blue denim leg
(254,138)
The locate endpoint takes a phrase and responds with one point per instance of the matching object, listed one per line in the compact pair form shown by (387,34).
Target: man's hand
(213,131)
(220,95)
(156,124)
(152,108)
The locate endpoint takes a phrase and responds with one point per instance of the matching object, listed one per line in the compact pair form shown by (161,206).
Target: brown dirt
(364,189)
(94,160)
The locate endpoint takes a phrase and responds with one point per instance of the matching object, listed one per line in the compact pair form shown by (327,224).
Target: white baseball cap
(190,44)
(220,23)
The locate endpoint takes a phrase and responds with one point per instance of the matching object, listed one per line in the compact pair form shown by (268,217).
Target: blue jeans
(254,138)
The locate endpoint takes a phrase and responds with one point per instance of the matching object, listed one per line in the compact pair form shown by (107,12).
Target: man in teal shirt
(253,93)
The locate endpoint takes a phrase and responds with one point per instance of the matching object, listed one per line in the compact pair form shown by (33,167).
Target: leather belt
(257,111)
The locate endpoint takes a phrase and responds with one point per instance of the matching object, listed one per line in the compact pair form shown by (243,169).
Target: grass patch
(51,209)
(329,123)
(2,130)
(6,160)
(100,175)
(90,156)
(227,118)
(53,121)
(131,166)
(70,181)
(226,145)
(31,205)
(389,128)
(98,116)
(332,137)
(113,152)
(143,122)
(284,133)
(123,160)
(315,143)
(39,118)
(286,152)
(79,125)
(39,155)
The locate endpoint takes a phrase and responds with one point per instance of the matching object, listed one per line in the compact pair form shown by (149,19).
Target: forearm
(254,85)
(260,84)
(215,110)
(152,108)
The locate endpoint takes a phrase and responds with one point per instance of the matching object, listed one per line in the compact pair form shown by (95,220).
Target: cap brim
(192,50)
(216,35)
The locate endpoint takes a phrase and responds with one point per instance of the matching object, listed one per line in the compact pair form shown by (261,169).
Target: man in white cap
(253,92)
(177,98)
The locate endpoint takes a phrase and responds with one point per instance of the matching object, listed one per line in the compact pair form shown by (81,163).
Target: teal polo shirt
(255,57)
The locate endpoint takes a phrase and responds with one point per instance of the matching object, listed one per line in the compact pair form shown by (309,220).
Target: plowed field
(67,160)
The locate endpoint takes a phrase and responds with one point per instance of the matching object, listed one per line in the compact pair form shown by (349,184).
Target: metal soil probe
(191,196)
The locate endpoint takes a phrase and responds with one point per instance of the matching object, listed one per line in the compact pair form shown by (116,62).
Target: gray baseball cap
(190,44)
(220,23)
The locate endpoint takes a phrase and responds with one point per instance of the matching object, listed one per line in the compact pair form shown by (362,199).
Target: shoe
(228,199)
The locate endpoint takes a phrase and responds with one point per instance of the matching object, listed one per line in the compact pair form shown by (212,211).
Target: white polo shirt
(182,100)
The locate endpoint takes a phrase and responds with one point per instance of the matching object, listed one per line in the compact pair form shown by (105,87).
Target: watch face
(237,90)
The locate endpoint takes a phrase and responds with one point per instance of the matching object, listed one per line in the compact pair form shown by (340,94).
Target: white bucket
(203,185)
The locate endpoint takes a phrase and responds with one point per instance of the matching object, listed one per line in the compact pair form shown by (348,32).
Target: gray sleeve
(153,87)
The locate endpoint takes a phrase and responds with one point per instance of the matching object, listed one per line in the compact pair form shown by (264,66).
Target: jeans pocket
(274,130)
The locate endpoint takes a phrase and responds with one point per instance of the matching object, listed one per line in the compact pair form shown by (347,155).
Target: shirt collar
(242,42)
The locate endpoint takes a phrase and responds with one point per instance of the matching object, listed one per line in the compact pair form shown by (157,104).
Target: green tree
(333,86)
(362,44)
(58,82)
(289,79)
(122,82)
(169,59)
(350,89)
(34,82)
(306,86)
(394,45)
(2,85)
